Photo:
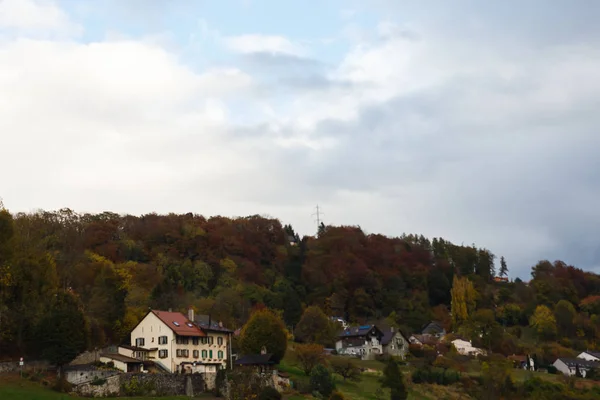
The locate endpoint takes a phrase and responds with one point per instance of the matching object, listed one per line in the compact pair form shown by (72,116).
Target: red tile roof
(178,323)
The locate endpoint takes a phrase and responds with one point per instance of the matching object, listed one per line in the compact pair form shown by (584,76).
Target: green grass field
(16,388)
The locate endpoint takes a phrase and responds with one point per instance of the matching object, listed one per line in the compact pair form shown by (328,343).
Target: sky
(468,120)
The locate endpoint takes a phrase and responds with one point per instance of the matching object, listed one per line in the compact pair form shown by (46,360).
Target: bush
(321,381)
(336,396)
(97,381)
(269,393)
(435,375)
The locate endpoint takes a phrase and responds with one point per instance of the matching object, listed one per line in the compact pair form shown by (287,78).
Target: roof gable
(178,323)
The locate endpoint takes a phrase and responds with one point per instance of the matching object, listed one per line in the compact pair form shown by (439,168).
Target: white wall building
(466,348)
(568,366)
(179,344)
(589,355)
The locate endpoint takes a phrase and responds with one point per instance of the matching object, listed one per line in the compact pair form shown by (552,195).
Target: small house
(394,343)
(360,341)
(569,366)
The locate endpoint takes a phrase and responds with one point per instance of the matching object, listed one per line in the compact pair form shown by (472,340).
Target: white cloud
(256,43)
(35,17)
(472,139)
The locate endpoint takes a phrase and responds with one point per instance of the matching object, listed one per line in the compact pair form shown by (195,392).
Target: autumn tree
(463,300)
(503,267)
(308,355)
(315,327)
(544,322)
(264,329)
(393,379)
(346,368)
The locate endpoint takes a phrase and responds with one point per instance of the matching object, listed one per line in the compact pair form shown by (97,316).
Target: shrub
(435,375)
(336,396)
(97,381)
(269,393)
(321,381)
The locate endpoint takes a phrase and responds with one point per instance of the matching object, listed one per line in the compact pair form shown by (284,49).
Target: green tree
(264,329)
(393,379)
(564,313)
(321,381)
(315,327)
(503,267)
(62,332)
(543,322)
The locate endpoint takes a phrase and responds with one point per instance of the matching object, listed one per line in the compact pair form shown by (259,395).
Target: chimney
(170,310)
(191,314)
(263,350)
(220,324)
(392,329)
(209,320)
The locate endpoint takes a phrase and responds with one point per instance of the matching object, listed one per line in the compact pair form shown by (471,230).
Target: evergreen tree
(321,381)
(62,332)
(503,267)
(392,378)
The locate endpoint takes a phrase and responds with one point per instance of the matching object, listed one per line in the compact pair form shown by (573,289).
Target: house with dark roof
(434,328)
(569,366)
(181,343)
(360,341)
(394,342)
(589,355)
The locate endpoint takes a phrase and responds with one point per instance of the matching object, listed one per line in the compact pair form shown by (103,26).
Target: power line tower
(318,219)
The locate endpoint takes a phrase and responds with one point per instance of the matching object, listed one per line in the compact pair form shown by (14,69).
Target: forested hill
(119,266)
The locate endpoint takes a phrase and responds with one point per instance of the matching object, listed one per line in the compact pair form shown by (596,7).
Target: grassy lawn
(15,388)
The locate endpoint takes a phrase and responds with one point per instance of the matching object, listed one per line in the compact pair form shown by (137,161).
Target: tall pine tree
(503,267)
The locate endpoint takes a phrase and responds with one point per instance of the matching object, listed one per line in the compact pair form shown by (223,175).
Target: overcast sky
(471,120)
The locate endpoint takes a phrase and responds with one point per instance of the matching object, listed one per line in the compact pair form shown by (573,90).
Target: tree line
(112,268)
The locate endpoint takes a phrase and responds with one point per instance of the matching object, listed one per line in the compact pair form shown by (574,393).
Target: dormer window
(190,325)
(175,323)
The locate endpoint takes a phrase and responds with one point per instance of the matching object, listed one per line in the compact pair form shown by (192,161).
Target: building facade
(178,344)
(361,341)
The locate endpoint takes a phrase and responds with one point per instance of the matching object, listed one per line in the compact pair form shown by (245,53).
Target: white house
(360,341)
(466,348)
(179,343)
(569,366)
(589,355)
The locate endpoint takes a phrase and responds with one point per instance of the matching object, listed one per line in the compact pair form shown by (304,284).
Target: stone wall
(13,366)
(139,384)
(78,376)
(112,387)
(90,357)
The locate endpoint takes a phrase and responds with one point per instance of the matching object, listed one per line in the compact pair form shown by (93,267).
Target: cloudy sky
(470,120)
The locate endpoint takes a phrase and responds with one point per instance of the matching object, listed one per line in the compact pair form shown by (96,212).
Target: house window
(204,353)
(195,341)
(163,353)
(219,341)
(211,340)
(182,340)
(183,353)
(196,353)
(162,340)
(220,354)
(139,342)
(210,354)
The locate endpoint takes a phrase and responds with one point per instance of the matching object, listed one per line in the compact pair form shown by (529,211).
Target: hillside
(119,266)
